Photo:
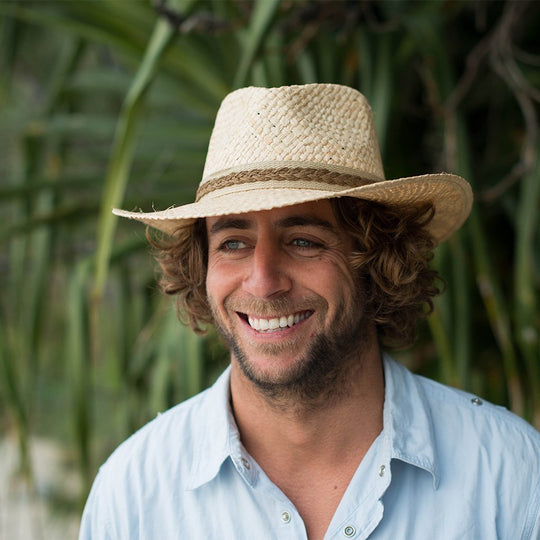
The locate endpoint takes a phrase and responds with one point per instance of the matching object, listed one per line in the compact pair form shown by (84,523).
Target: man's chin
(266,372)
(271,366)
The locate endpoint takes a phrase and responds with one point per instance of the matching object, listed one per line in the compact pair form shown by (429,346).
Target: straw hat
(275,147)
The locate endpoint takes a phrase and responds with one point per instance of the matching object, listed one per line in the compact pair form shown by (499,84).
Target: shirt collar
(408,425)
(214,432)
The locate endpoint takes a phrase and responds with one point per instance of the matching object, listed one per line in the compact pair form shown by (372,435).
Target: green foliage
(109,103)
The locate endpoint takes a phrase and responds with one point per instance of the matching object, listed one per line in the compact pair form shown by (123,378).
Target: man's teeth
(277,322)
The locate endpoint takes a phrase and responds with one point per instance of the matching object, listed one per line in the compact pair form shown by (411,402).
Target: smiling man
(309,263)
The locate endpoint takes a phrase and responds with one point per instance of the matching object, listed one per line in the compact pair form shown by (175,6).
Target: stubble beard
(326,370)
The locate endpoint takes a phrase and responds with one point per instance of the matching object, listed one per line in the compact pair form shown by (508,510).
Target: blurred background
(111,103)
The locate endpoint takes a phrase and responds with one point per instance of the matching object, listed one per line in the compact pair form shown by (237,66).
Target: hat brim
(450,194)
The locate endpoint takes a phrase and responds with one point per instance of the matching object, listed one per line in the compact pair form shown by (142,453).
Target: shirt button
(285,516)
(476,401)
(349,531)
(245,463)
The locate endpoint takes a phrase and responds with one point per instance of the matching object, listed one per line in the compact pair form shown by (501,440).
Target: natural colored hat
(275,147)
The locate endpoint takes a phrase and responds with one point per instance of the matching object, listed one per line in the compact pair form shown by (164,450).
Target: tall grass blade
(77,360)
(382,85)
(440,337)
(193,362)
(122,152)
(14,396)
(485,275)
(306,67)
(497,312)
(64,17)
(261,18)
(364,47)
(526,309)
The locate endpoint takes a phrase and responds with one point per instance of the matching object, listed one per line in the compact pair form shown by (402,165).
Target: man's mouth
(274,324)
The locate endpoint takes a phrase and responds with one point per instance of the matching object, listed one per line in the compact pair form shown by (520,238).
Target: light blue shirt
(446,466)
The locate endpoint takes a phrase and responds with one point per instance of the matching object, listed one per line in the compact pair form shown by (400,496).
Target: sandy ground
(27,514)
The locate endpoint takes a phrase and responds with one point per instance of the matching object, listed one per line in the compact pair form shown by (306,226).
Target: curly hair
(183,259)
(392,250)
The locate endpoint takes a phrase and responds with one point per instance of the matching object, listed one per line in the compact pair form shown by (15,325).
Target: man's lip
(275,323)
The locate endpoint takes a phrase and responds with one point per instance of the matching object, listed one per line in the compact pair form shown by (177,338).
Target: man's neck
(287,431)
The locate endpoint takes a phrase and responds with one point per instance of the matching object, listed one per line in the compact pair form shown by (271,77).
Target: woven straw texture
(275,147)
(257,127)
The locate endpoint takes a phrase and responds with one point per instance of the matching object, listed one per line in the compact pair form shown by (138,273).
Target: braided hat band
(275,147)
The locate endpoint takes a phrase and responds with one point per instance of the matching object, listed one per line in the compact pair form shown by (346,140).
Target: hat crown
(320,126)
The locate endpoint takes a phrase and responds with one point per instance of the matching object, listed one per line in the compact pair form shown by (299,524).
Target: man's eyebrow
(305,221)
(230,223)
(287,222)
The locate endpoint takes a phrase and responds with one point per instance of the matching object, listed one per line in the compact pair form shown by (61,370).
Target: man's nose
(267,276)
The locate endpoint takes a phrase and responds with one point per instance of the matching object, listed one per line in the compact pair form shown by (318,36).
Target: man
(307,261)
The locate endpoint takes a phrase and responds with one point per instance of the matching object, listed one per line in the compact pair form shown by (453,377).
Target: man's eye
(302,243)
(232,245)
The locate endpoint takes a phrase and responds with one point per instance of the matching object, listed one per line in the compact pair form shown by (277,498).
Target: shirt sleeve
(95,522)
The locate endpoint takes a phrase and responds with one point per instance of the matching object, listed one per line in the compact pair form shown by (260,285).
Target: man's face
(283,295)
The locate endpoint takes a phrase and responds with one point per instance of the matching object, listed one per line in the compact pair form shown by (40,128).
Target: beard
(324,372)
